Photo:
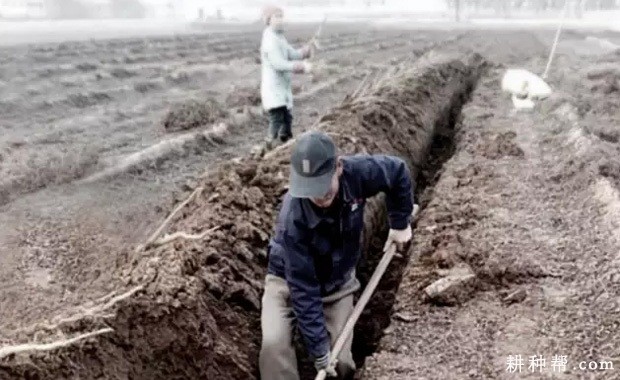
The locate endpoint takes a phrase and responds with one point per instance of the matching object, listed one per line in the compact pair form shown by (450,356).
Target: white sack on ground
(525,83)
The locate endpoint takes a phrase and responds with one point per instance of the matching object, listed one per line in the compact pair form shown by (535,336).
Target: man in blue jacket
(316,247)
(278,60)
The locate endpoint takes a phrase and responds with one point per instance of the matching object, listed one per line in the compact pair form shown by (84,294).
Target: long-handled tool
(556,39)
(314,41)
(361,303)
(526,86)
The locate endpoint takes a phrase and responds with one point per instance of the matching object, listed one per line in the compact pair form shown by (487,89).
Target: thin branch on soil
(342,135)
(106,297)
(10,350)
(361,87)
(115,300)
(98,309)
(151,240)
(90,312)
(161,150)
(182,235)
(279,148)
(292,141)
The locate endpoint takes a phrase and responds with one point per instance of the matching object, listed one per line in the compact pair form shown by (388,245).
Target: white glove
(323,363)
(398,237)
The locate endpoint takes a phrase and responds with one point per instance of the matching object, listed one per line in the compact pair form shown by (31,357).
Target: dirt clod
(144,87)
(500,145)
(121,73)
(243,96)
(452,289)
(85,67)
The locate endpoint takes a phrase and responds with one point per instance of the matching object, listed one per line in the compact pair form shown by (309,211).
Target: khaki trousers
(277,359)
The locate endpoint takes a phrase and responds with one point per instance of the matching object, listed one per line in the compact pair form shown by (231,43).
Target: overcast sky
(211,5)
(421,5)
(249,9)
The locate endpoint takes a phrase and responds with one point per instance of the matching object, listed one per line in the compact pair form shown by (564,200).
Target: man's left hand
(308,51)
(398,237)
(311,48)
(305,52)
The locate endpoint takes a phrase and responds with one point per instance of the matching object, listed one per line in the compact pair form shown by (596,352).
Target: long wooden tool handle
(315,38)
(321,375)
(556,39)
(361,303)
(320,28)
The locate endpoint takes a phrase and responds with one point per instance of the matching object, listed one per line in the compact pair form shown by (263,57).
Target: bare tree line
(67,9)
(506,7)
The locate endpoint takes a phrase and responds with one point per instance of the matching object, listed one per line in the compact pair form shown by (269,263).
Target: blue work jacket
(317,250)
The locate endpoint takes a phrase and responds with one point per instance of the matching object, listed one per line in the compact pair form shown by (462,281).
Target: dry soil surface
(525,211)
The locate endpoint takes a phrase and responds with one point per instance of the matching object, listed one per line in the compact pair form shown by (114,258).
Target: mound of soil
(243,96)
(606,78)
(608,85)
(144,87)
(195,313)
(87,100)
(602,71)
(44,169)
(193,114)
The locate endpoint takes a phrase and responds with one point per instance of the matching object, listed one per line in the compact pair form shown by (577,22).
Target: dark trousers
(280,124)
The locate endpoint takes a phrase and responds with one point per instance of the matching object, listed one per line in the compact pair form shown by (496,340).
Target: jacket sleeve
(305,291)
(273,54)
(388,174)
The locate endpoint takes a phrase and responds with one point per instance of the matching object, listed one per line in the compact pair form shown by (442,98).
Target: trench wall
(197,315)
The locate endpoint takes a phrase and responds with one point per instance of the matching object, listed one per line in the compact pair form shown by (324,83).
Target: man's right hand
(322,363)
(307,67)
(302,67)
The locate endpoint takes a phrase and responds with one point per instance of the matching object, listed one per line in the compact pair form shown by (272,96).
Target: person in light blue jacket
(279,59)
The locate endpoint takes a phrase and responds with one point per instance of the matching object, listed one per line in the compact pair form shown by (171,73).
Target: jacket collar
(275,31)
(312,219)
(345,188)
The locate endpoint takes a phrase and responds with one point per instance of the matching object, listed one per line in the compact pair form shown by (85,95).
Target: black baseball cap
(313,164)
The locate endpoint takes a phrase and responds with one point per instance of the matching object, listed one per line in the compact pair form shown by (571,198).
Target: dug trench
(193,306)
